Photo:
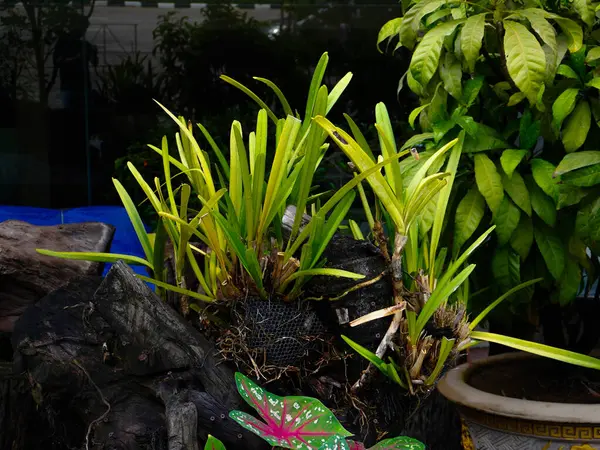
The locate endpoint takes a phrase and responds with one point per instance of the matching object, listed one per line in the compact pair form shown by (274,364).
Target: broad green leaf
(551,248)
(525,59)
(571,29)
(506,267)
(425,59)
(592,55)
(510,159)
(577,127)
(472,38)
(517,190)
(543,172)
(471,90)
(562,107)
(586,177)
(566,72)
(576,161)
(97,257)
(539,349)
(506,219)
(439,14)
(516,98)
(540,25)
(594,82)
(388,30)
(489,181)
(570,195)
(568,285)
(288,422)
(585,10)
(414,114)
(469,213)
(522,238)
(529,131)
(407,32)
(543,205)
(213,443)
(451,75)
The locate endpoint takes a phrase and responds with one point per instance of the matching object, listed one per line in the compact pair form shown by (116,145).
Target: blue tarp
(125,240)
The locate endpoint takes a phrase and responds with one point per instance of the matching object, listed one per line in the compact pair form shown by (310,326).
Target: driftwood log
(113,367)
(26,276)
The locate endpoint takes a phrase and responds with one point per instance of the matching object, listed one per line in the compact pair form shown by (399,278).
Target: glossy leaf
(570,195)
(489,181)
(506,267)
(593,54)
(425,59)
(563,106)
(551,248)
(472,38)
(540,25)
(539,349)
(336,442)
(576,161)
(525,59)
(571,29)
(212,443)
(586,177)
(451,75)
(517,191)
(510,159)
(566,72)
(469,213)
(585,10)
(543,175)
(415,113)
(288,422)
(522,238)
(506,218)
(543,205)
(577,126)
(594,82)
(389,30)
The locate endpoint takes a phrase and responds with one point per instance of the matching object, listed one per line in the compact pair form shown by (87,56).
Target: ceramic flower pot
(506,422)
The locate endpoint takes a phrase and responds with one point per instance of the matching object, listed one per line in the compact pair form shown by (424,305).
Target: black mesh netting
(284,331)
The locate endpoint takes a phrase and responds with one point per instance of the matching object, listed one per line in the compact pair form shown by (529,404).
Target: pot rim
(454,387)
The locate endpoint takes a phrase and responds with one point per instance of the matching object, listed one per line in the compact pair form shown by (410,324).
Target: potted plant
(519,79)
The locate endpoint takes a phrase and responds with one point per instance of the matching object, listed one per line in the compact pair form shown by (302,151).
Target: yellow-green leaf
(451,75)
(576,161)
(594,82)
(543,175)
(543,205)
(516,98)
(389,30)
(577,127)
(517,191)
(472,38)
(425,59)
(522,238)
(562,107)
(551,248)
(510,159)
(525,59)
(506,218)
(585,10)
(572,30)
(414,114)
(489,181)
(592,55)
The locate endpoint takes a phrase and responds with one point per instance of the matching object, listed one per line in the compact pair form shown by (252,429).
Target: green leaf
(469,213)
(472,38)
(451,75)
(569,283)
(471,90)
(287,109)
(516,98)
(517,190)
(592,55)
(551,248)
(510,159)
(414,114)
(576,161)
(522,237)
(488,181)
(543,205)
(577,127)
(562,107)
(525,59)
(506,219)
(97,257)
(337,91)
(539,349)
(586,177)
(566,72)
(594,82)
(388,30)
(250,94)
(585,10)
(506,267)
(543,175)
(177,289)
(570,195)
(540,25)
(529,131)
(325,272)
(213,443)
(571,29)
(425,59)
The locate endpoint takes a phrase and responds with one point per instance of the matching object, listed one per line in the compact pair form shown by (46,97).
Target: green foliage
(528,78)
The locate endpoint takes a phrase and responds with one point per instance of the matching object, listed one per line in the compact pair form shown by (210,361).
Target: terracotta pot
(497,422)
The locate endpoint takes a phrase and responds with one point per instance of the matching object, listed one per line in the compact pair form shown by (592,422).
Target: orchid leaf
(288,422)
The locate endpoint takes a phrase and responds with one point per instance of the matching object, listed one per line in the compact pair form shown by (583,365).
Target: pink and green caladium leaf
(213,444)
(399,443)
(289,422)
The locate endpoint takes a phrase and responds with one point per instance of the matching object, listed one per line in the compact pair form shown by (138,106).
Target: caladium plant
(301,422)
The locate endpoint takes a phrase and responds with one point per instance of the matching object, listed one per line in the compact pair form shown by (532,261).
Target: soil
(539,379)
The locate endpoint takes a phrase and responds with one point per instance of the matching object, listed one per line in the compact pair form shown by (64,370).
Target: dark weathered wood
(102,355)
(27,276)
